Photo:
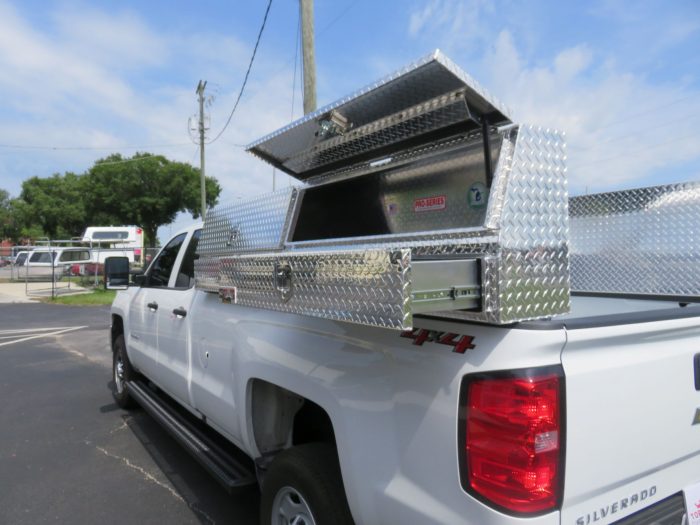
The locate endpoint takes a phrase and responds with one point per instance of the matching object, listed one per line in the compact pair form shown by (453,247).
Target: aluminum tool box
(420,195)
(642,242)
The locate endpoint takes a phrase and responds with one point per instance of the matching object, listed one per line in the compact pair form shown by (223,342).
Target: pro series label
(438,202)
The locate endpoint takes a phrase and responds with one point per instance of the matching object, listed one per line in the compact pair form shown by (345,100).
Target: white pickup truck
(437,415)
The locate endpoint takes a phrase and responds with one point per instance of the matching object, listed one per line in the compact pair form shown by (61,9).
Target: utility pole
(200,92)
(308,57)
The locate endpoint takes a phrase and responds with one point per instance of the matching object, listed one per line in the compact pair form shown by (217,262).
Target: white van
(106,240)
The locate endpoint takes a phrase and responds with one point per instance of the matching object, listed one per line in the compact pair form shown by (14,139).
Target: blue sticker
(478,195)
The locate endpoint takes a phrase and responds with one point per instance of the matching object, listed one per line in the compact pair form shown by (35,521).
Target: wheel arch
(117,328)
(280,418)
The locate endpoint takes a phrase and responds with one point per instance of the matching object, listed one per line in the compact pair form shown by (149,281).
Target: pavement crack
(123,426)
(150,477)
(147,475)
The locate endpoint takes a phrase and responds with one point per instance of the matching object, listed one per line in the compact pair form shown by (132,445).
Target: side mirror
(116,273)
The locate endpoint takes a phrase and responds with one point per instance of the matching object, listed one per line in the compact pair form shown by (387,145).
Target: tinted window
(185,277)
(42,257)
(75,255)
(110,235)
(162,267)
(20,259)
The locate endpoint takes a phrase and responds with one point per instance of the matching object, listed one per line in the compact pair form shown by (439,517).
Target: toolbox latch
(282,274)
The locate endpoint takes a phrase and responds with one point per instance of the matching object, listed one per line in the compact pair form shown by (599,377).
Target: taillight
(512,439)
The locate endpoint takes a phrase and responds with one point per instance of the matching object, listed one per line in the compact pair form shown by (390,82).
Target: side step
(232,473)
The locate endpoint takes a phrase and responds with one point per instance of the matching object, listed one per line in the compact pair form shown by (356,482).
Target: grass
(95,298)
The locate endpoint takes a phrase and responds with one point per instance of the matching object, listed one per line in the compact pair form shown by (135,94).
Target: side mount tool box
(420,195)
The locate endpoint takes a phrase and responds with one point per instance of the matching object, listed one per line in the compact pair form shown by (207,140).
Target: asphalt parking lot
(68,454)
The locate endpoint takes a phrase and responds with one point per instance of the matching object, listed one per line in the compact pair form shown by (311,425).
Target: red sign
(439,202)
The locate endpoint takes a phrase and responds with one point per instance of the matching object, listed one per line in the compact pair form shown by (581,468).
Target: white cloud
(118,40)
(459,22)
(68,87)
(420,18)
(623,128)
(620,128)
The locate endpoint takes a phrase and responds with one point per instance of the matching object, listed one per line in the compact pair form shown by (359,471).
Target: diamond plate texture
(520,237)
(643,241)
(259,223)
(527,276)
(435,114)
(428,78)
(534,273)
(370,287)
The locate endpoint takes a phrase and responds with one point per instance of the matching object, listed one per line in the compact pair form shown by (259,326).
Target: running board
(228,470)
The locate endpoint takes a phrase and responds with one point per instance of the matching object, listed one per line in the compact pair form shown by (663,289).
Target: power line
(137,159)
(338,17)
(632,135)
(90,148)
(647,111)
(325,28)
(638,150)
(245,79)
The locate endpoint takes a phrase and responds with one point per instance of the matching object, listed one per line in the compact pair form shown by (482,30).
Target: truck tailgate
(633,426)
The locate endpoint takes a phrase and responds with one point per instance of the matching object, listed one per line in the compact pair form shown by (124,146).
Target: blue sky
(621,78)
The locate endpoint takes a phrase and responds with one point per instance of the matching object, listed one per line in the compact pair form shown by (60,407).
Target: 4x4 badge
(459,343)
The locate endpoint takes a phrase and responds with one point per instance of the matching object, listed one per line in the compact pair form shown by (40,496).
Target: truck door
(173,325)
(142,339)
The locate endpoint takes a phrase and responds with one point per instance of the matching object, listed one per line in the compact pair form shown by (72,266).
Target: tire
(304,483)
(122,371)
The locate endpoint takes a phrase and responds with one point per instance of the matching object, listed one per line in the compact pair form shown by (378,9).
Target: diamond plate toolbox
(643,241)
(420,196)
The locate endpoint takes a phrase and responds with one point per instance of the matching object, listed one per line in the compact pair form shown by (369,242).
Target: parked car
(45,258)
(20,258)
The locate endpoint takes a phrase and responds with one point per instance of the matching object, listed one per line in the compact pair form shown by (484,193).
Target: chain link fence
(54,267)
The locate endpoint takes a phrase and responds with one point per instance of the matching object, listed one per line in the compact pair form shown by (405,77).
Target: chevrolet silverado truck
(429,330)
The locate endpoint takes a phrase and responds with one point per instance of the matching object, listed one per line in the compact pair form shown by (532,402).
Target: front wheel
(304,487)
(121,373)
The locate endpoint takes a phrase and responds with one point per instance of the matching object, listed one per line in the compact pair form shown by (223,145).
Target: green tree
(145,190)
(5,215)
(55,204)
(16,224)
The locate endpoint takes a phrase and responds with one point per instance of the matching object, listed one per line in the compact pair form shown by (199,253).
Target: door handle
(153,306)
(180,312)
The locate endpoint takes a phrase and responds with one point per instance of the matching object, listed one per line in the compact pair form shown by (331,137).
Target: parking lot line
(45,332)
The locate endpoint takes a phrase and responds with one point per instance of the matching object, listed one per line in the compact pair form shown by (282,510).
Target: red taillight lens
(513,440)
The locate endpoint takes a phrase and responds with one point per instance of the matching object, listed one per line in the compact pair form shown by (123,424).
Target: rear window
(75,255)
(119,235)
(42,257)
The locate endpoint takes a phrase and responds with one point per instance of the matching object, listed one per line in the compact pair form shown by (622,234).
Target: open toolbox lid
(429,99)
(421,196)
